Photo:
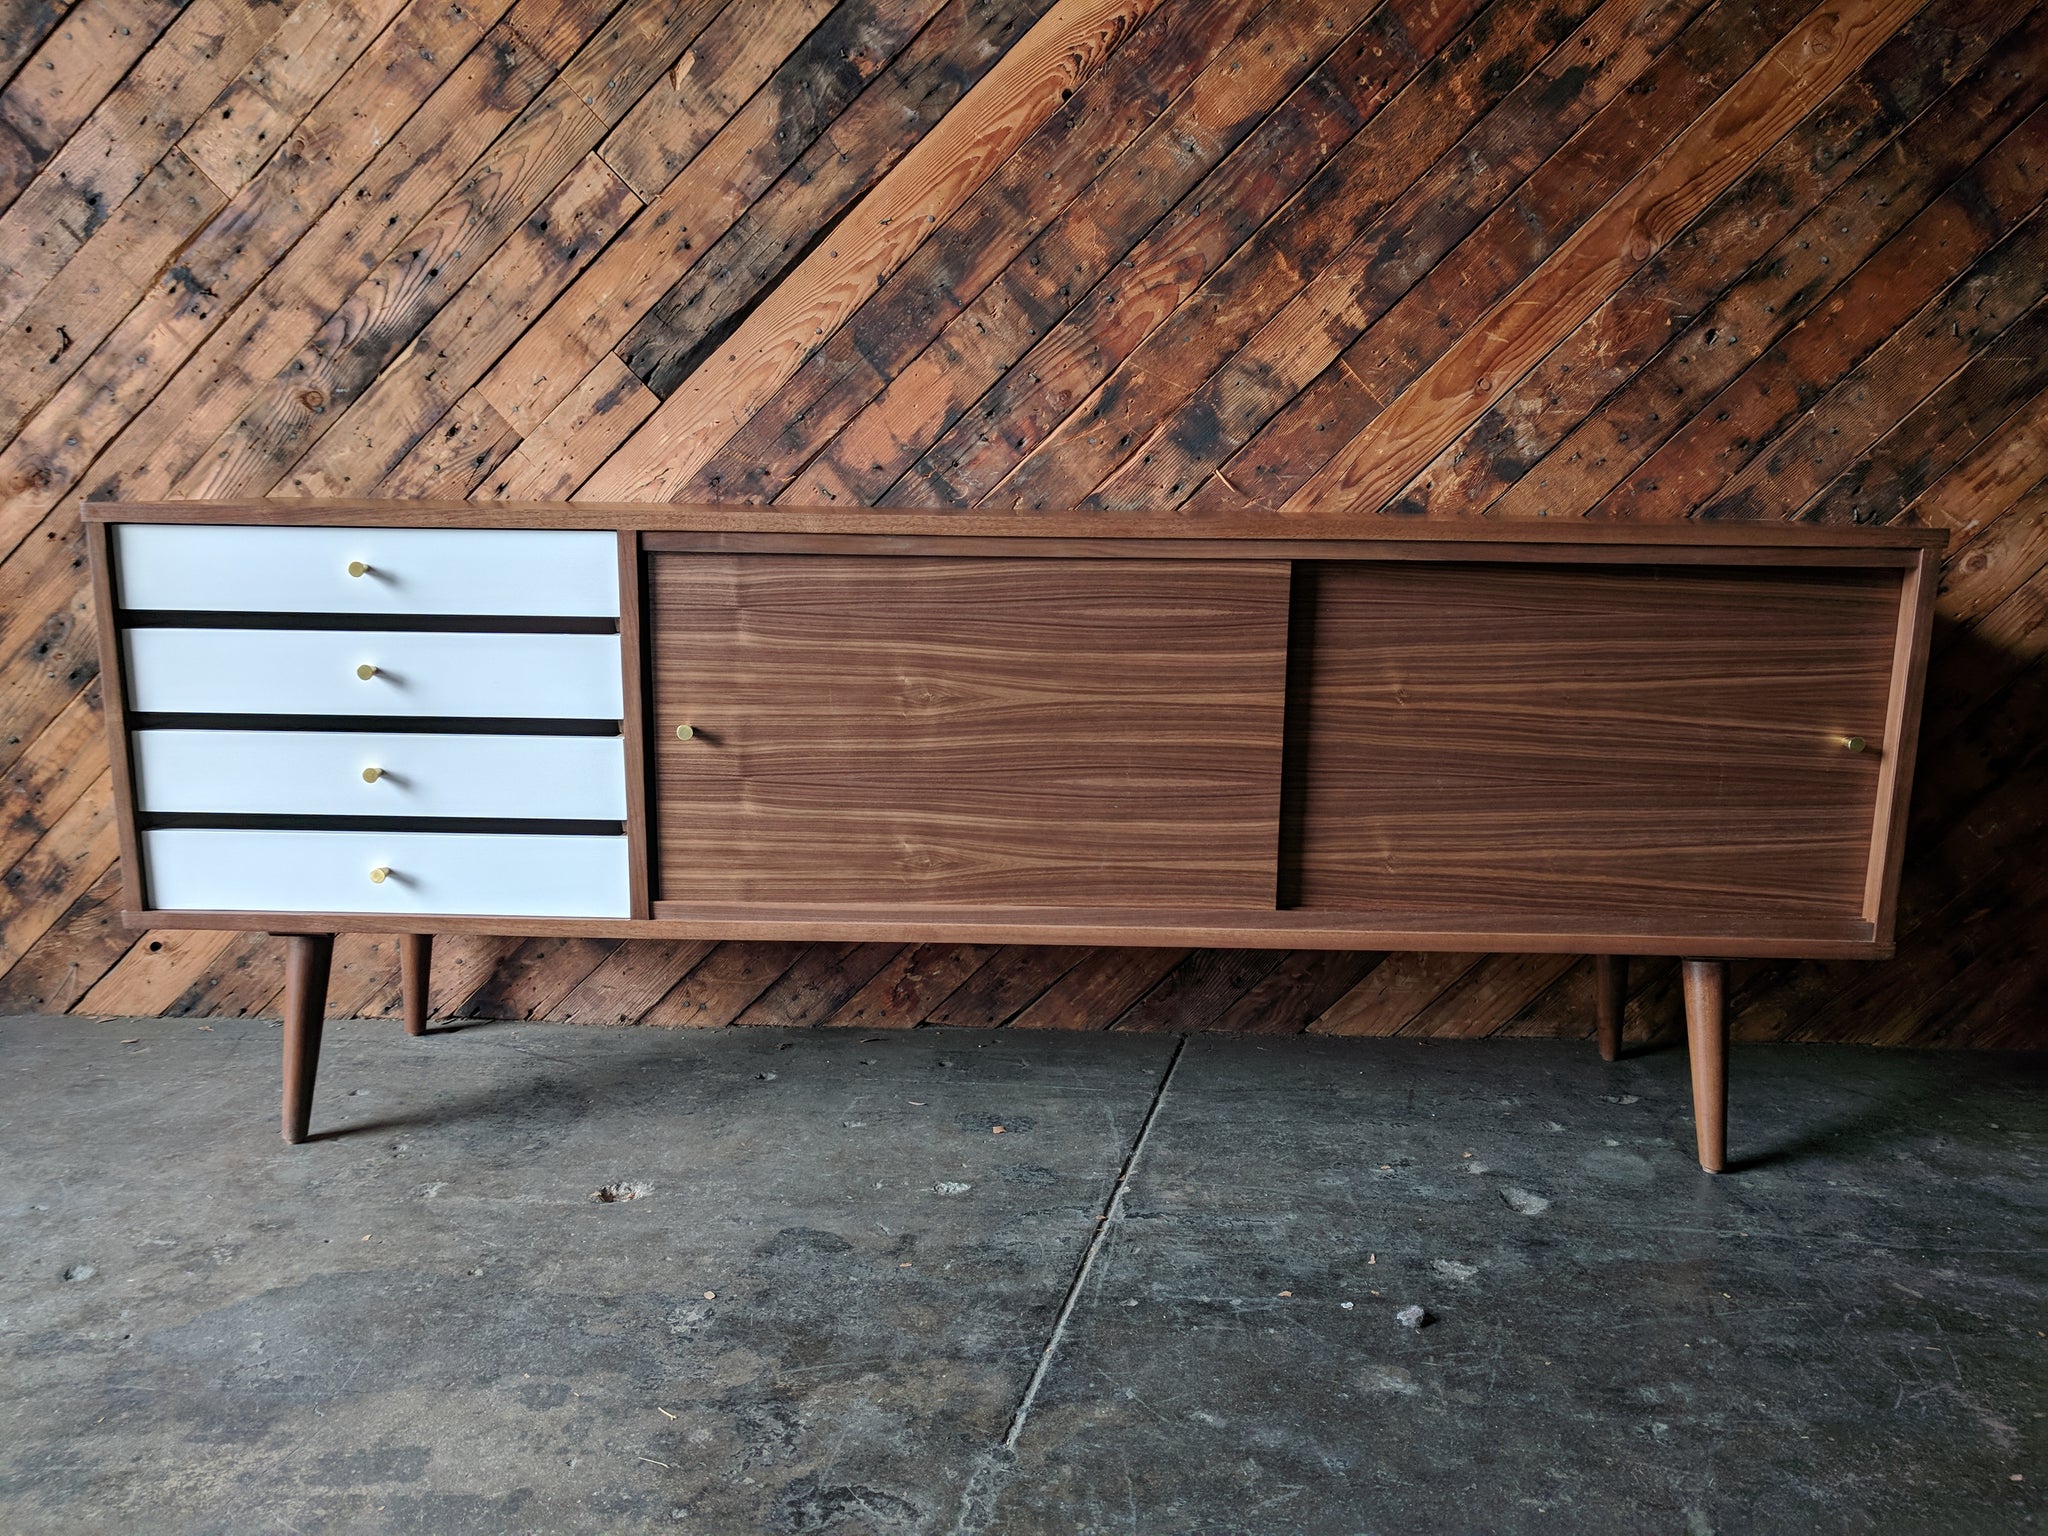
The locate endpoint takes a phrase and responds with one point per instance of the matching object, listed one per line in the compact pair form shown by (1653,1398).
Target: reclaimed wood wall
(1433,258)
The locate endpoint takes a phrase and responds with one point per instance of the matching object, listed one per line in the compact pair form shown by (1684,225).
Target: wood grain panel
(1651,745)
(967,732)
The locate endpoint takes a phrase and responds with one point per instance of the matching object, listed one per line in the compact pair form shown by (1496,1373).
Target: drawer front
(451,873)
(320,773)
(409,570)
(315,672)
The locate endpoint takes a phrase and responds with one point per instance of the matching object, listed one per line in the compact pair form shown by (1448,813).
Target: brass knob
(1853,743)
(685,732)
(372,775)
(358,568)
(366,671)
(379,875)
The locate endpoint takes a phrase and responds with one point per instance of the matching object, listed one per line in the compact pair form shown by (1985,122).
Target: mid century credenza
(666,722)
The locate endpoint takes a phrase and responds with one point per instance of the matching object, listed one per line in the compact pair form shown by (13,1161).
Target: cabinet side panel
(1646,745)
(894,730)
(1901,742)
(633,724)
(99,546)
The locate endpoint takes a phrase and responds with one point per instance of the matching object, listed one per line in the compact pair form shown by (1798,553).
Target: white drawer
(320,773)
(475,873)
(314,672)
(410,570)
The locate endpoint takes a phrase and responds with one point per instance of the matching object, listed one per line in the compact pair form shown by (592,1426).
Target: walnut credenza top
(751,723)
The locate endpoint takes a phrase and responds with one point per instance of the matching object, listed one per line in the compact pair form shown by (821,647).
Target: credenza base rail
(1141,928)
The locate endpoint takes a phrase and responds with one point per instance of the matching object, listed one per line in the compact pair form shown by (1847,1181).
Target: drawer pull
(372,775)
(358,568)
(685,732)
(366,671)
(380,874)
(1853,743)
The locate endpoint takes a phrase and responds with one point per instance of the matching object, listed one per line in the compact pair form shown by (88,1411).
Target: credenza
(1616,739)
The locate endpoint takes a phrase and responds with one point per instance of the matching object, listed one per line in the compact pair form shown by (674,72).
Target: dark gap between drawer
(417,725)
(164,821)
(425,623)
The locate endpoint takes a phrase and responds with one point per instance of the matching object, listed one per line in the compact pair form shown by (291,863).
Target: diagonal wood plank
(1206,984)
(426,74)
(24,24)
(1423,106)
(1971,316)
(59,62)
(1013,978)
(86,942)
(1801,71)
(818,983)
(1516,240)
(969,250)
(550,461)
(1125,253)
(372,431)
(292,411)
(1564,120)
(249,121)
(1076,289)
(107,158)
(631,980)
(56,870)
(874,131)
(1867,303)
(1026,86)
(914,982)
(739,158)
(463,447)
(1639,368)
(62,325)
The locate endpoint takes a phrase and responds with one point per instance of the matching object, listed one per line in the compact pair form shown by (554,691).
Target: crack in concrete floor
(985,1487)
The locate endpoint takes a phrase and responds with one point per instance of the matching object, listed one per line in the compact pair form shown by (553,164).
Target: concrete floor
(828,1309)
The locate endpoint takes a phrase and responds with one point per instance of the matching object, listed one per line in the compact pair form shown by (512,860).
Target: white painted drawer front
(482,874)
(320,773)
(314,672)
(411,570)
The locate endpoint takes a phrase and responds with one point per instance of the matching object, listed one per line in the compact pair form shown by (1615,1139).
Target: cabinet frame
(644,531)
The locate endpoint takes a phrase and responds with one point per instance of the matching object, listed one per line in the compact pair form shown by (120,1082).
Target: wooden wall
(1438,258)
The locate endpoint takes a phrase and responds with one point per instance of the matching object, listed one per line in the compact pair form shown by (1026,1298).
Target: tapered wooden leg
(1706,1038)
(415,961)
(1610,983)
(307,959)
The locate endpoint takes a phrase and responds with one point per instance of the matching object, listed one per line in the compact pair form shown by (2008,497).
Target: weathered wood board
(1637,259)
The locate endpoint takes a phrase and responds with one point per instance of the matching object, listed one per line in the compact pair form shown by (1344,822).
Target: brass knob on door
(366,671)
(358,568)
(685,732)
(1853,743)
(379,875)
(372,775)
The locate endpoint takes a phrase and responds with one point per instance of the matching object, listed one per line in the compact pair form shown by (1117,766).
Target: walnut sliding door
(1655,748)
(913,731)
